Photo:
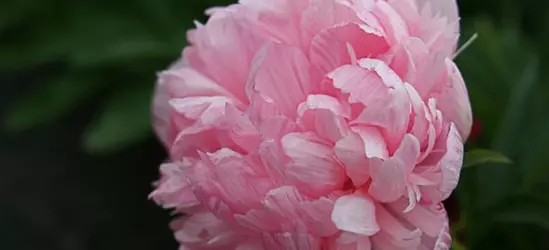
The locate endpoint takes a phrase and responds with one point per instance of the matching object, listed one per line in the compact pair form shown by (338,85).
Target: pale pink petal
(395,227)
(183,81)
(446,8)
(286,209)
(451,163)
(453,101)
(350,151)
(430,219)
(362,86)
(278,19)
(161,116)
(291,241)
(416,64)
(281,74)
(203,230)
(234,176)
(389,177)
(323,14)
(261,109)
(223,51)
(317,216)
(391,114)
(395,27)
(324,115)
(351,241)
(420,123)
(356,214)
(329,49)
(311,159)
(172,191)
(198,116)
(356,149)
(276,127)
(240,129)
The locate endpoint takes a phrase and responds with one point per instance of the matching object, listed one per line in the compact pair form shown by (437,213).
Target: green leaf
(482,156)
(124,120)
(50,101)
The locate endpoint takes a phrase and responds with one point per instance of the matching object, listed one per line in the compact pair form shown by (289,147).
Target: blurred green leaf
(124,120)
(482,156)
(50,101)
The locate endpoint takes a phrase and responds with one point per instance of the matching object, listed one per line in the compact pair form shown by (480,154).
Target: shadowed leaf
(124,121)
(482,156)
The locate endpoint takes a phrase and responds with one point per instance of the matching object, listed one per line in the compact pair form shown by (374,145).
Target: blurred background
(78,156)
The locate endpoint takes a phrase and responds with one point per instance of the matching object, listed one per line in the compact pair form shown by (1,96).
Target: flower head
(314,124)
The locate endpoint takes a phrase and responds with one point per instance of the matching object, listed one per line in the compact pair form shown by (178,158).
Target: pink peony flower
(314,124)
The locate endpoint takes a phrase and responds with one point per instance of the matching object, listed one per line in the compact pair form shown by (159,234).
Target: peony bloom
(314,125)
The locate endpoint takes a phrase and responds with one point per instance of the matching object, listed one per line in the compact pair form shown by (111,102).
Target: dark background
(77,156)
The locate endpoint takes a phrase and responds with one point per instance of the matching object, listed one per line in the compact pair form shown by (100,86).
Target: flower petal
(430,219)
(446,8)
(329,49)
(281,74)
(311,159)
(356,149)
(324,115)
(362,86)
(389,177)
(223,51)
(453,101)
(356,214)
(391,114)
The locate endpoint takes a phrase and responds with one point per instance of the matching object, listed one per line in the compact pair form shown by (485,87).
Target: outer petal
(453,101)
(223,50)
(172,190)
(178,82)
(451,163)
(448,164)
(446,8)
(203,230)
(356,214)
(196,117)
